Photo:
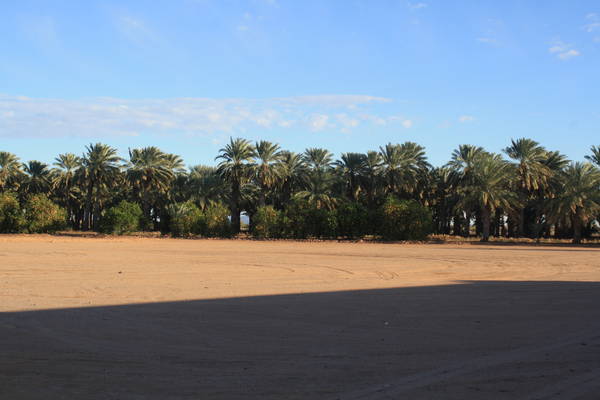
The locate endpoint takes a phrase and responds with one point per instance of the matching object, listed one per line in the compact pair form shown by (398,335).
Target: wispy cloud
(136,30)
(563,51)
(318,122)
(592,26)
(593,22)
(103,117)
(487,40)
(466,118)
(416,6)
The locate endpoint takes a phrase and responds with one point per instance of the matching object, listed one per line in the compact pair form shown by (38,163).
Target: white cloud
(407,123)
(347,121)
(563,51)
(568,54)
(103,117)
(318,122)
(466,118)
(593,24)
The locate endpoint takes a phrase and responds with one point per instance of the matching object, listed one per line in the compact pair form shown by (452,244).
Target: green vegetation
(125,217)
(392,193)
(11,219)
(404,220)
(43,216)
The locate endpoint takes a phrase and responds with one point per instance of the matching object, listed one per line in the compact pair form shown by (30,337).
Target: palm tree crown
(10,170)
(235,167)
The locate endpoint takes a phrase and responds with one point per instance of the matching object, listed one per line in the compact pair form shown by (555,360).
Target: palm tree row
(530,192)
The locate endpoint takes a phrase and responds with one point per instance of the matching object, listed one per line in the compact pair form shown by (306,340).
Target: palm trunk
(87,214)
(457,225)
(577,224)
(262,196)
(485,222)
(521,232)
(235,207)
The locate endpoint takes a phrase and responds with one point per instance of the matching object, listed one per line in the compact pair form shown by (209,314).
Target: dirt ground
(141,318)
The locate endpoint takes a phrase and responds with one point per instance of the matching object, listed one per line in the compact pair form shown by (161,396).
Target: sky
(347,75)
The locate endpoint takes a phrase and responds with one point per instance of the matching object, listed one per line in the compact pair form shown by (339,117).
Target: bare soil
(144,318)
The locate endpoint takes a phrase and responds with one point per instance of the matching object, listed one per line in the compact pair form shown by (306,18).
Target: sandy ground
(133,318)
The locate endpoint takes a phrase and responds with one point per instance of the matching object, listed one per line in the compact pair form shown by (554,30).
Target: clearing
(141,318)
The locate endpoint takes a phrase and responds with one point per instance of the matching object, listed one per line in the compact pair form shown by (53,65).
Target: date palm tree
(350,167)
(444,184)
(175,163)
(317,160)
(579,197)
(488,189)
(37,178)
(235,167)
(292,178)
(10,171)
(371,176)
(99,170)
(267,168)
(595,156)
(150,175)
(207,186)
(531,171)
(318,191)
(64,181)
(402,164)
(464,158)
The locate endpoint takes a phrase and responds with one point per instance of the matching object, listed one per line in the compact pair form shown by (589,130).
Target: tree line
(393,192)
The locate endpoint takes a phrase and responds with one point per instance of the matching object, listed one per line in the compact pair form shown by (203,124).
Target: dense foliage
(42,215)
(11,219)
(404,220)
(124,217)
(392,193)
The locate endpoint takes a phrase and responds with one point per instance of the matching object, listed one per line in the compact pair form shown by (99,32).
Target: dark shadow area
(481,340)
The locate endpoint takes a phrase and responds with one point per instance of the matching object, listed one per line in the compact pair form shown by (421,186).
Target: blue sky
(351,75)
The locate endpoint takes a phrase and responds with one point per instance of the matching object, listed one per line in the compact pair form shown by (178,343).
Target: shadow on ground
(482,340)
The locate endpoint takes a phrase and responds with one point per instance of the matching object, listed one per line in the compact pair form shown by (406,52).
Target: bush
(265,223)
(186,219)
(404,220)
(11,218)
(303,219)
(123,218)
(217,220)
(352,220)
(292,220)
(42,215)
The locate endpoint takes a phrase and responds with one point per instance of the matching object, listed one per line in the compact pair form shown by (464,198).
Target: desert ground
(141,318)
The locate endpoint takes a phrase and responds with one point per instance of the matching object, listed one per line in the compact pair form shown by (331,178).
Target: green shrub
(217,220)
(303,219)
(352,220)
(11,218)
(265,223)
(322,223)
(123,218)
(404,220)
(292,221)
(42,215)
(186,219)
